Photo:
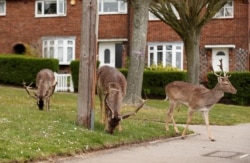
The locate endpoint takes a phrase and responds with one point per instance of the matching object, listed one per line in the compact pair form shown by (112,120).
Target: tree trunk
(137,51)
(192,44)
(87,68)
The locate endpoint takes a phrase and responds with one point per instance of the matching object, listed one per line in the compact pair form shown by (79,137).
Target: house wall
(21,26)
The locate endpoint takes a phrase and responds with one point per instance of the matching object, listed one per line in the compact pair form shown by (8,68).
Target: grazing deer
(111,89)
(196,98)
(45,83)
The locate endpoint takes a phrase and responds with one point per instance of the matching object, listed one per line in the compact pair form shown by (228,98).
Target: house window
(2,7)
(151,16)
(166,54)
(112,7)
(226,12)
(62,49)
(50,8)
(106,56)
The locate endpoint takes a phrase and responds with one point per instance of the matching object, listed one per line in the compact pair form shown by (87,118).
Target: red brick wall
(113,26)
(20,25)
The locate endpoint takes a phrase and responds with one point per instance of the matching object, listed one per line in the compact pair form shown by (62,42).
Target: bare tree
(137,49)
(192,16)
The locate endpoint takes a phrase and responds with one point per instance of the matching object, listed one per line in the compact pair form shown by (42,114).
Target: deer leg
(102,110)
(119,127)
(189,119)
(170,115)
(106,122)
(206,118)
(47,104)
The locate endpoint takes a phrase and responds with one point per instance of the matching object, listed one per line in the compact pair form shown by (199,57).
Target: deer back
(112,81)
(196,96)
(45,80)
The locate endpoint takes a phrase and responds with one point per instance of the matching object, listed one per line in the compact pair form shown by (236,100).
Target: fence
(64,83)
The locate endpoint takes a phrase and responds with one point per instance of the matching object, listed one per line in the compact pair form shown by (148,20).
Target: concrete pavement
(232,145)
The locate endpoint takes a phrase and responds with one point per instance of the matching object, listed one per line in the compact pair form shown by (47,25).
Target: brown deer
(196,98)
(45,83)
(111,89)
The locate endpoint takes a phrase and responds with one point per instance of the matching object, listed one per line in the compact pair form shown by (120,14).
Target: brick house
(52,28)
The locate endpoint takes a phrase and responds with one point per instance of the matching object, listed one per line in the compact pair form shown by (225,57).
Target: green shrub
(154,82)
(241,81)
(16,68)
(74,66)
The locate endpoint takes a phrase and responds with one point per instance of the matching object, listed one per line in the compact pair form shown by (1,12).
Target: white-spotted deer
(196,98)
(45,83)
(111,89)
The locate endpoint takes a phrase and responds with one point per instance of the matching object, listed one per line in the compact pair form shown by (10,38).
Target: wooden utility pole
(87,68)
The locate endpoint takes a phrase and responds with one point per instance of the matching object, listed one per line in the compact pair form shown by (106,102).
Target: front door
(220,53)
(107,54)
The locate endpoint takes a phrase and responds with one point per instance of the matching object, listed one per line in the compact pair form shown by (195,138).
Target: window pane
(178,60)
(70,42)
(51,42)
(61,6)
(46,53)
(169,47)
(169,59)
(151,59)
(106,56)
(110,6)
(69,54)
(159,47)
(39,8)
(51,52)
(159,58)
(60,54)
(50,7)
(2,7)
(60,42)
(123,6)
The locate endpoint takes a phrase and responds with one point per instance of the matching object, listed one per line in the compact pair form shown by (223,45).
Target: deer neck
(214,95)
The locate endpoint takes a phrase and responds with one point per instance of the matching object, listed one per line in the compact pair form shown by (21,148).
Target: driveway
(232,145)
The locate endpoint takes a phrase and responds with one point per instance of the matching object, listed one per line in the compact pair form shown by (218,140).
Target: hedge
(153,81)
(241,81)
(14,69)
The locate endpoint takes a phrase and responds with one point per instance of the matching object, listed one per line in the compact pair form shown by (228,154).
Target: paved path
(232,145)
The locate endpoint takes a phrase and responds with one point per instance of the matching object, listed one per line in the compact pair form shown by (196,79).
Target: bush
(16,68)
(154,82)
(241,81)
(74,66)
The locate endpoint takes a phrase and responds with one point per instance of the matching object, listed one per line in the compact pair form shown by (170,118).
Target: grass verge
(27,134)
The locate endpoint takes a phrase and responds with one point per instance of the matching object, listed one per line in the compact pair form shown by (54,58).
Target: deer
(111,89)
(196,98)
(45,83)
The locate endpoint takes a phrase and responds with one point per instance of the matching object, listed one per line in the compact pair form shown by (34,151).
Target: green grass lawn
(27,133)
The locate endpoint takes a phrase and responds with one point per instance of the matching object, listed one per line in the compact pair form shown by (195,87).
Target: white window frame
(177,49)
(54,46)
(222,14)
(61,8)
(121,7)
(3,12)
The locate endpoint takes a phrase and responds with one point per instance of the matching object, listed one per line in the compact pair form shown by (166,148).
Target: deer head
(223,80)
(113,117)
